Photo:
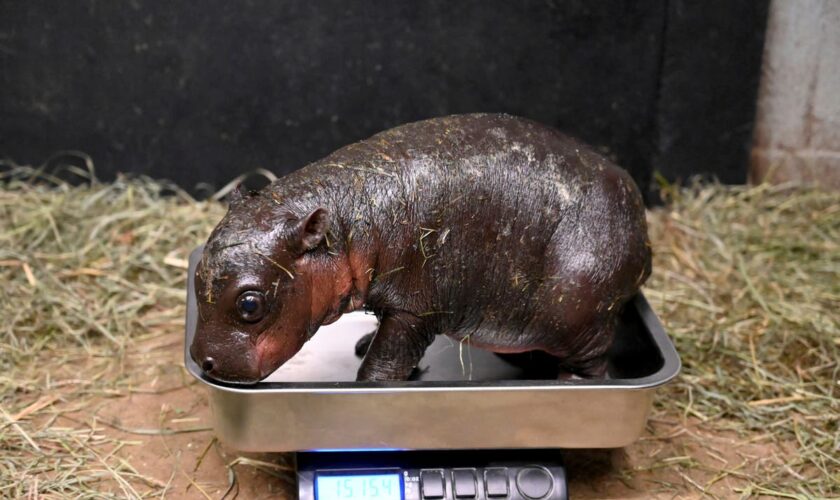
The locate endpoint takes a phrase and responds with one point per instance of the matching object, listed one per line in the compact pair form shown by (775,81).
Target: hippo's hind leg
(590,361)
(396,349)
(581,320)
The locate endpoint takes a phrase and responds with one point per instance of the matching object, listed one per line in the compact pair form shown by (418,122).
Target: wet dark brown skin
(491,229)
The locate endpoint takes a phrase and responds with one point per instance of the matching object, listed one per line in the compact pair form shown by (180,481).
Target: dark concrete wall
(202,91)
(710,75)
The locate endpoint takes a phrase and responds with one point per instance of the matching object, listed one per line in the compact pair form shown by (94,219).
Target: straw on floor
(746,279)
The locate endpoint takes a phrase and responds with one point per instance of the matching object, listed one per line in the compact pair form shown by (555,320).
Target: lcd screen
(358,487)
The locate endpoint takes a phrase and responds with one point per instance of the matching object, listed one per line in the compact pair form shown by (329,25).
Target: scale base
(433,475)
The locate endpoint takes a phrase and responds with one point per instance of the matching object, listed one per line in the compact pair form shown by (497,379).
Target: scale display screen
(335,486)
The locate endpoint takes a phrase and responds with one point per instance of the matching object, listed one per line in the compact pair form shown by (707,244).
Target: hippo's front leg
(398,346)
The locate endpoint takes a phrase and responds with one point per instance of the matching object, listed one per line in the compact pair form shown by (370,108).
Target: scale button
(464,482)
(431,483)
(495,482)
(534,482)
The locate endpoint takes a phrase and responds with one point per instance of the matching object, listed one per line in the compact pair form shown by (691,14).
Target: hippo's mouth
(221,378)
(239,383)
(271,354)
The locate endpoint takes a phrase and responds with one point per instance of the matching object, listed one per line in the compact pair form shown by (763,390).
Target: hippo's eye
(251,306)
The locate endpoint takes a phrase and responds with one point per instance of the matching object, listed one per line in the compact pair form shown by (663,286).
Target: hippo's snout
(231,362)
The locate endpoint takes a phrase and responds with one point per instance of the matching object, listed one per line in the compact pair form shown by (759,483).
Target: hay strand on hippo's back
(745,279)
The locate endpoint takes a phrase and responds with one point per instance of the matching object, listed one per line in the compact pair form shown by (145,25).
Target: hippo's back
(465,143)
(477,204)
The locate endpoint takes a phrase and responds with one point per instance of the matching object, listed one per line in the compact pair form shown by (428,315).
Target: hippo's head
(254,289)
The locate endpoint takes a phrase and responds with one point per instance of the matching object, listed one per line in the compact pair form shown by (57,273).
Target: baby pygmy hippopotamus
(491,229)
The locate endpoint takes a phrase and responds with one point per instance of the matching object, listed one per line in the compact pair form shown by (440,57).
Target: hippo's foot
(363,344)
(417,372)
(396,349)
(595,368)
(564,375)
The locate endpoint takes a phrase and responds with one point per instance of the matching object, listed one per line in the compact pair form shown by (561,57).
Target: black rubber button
(496,482)
(533,482)
(463,482)
(431,483)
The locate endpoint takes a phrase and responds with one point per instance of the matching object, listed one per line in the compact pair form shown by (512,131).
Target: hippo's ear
(310,231)
(236,195)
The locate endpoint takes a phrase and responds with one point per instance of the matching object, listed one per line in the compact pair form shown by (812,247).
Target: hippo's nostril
(207,364)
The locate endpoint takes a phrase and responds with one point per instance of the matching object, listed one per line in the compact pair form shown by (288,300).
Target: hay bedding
(94,403)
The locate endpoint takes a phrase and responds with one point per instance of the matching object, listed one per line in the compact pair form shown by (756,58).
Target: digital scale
(418,475)
(469,424)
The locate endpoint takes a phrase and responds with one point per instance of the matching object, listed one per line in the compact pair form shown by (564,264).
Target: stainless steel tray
(462,398)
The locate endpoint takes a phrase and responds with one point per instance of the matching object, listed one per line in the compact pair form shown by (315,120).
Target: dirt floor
(164,426)
(95,402)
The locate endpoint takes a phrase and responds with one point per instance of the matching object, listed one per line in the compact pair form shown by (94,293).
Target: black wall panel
(710,75)
(202,91)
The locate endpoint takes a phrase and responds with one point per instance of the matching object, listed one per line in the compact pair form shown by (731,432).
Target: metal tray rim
(669,370)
